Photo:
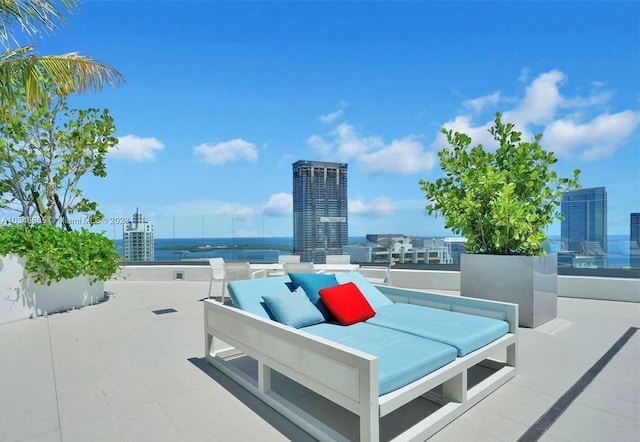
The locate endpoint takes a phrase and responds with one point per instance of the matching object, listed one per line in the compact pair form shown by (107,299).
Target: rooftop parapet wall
(587,287)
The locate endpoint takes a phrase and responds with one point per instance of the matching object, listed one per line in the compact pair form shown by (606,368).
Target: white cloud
(202,207)
(573,126)
(541,101)
(524,75)
(135,148)
(349,144)
(463,124)
(317,143)
(379,206)
(236,210)
(279,204)
(403,156)
(330,118)
(477,104)
(594,139)
(227,151)
(592,100)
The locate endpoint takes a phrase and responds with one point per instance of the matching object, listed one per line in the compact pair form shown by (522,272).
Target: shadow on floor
(275,419)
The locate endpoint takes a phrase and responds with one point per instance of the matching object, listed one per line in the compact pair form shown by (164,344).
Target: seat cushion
(346,303)
(464,332)
(374,296)
(293,309)
(311,283)
(402,357)
(247,294)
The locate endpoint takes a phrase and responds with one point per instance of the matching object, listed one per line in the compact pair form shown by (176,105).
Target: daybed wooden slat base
(349,377)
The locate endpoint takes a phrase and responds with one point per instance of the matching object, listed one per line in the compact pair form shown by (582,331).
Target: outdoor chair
(217,273)
(288,258)
(338,259)
(380,275)
(229,271)
(237,271)
(298,267)
(282,259)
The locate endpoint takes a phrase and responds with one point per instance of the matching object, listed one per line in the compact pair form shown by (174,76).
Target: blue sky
(222,97)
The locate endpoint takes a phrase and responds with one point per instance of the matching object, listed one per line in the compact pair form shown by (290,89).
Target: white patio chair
(380,275)
(236,271)
(288,258)
(299,267)
(217,272)
(282,259)
(338,259)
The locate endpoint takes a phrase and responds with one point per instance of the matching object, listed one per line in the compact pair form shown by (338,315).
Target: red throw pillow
(347,303)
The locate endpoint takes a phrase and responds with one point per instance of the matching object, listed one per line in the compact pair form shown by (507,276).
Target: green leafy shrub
(500,201)
(52,254)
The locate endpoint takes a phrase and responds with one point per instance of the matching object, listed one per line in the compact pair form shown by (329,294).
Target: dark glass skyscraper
(634,247)
(584,228)
(320,219)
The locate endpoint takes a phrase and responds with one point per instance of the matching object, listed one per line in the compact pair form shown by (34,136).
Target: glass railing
(407,237)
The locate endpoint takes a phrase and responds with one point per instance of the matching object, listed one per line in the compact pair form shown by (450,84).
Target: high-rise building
(320,219)
(137,236)
(584,228)
(634,247)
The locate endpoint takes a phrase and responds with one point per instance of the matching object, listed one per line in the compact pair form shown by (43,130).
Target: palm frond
(21,69)
(30,16)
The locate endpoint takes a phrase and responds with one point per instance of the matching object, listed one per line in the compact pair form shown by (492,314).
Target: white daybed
(349,377)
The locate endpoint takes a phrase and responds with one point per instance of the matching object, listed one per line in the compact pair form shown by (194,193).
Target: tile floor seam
(601,410)
(55,385)
(546,421)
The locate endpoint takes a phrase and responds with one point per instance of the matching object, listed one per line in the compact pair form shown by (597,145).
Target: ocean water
(618,248)
(210,249)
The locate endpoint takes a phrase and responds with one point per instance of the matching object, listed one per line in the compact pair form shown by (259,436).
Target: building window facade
(634,243)
(320,209)
(137,236)
(583,232)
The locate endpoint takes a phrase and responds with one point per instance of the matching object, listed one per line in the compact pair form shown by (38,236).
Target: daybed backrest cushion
(346,303)
(311,283)
(374,296)
(247,294)
(293,309)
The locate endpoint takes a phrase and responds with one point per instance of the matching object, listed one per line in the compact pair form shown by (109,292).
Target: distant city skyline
(222,97)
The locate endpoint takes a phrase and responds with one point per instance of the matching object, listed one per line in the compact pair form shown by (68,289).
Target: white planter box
(529,281)
(23,299)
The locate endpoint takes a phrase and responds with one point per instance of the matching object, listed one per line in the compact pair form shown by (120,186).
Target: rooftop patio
(132,368)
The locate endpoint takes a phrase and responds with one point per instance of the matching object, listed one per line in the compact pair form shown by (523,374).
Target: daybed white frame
(349,377)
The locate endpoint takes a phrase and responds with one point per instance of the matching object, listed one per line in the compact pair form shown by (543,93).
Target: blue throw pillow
(312,283)
(293,309)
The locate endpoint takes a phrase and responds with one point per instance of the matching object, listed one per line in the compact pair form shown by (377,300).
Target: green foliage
(500,201)
(47,149)
(52,254)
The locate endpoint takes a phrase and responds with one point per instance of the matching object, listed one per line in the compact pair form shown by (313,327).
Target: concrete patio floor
(117,371)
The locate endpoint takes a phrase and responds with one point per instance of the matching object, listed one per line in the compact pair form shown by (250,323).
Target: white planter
(529,281)
(23,299)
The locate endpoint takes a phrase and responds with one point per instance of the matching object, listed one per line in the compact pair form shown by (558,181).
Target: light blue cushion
(464,332)
(293,309)
(374,296)
(311,283)
(247,294)
(402,357)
